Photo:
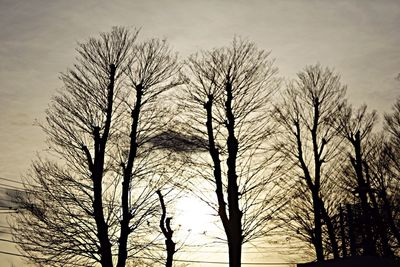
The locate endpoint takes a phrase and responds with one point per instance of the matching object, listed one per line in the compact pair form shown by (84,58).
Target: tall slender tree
(383,179)
(308,140)
(356,126)
(227,100)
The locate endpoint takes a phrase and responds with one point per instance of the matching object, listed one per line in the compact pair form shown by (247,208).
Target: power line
(187,261)
(198,251)
(221,262)
(11,253)
(8,241)
(5,233)
(177,260)
(10,186)
(31,257)
(8,212)
(274,249)
(11,180)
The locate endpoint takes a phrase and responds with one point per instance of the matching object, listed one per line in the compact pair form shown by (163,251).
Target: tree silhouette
(370,160)
(94,196)
(383,179)
(388,165)
(165,225)
(308,141)
(355,126)
(392,125)
(226,102)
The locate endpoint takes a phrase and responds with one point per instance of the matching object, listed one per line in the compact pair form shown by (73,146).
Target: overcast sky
(360,39)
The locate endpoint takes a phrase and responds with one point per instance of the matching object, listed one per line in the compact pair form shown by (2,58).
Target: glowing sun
(194,217)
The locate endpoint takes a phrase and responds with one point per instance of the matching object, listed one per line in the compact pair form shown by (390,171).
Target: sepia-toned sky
(360,39)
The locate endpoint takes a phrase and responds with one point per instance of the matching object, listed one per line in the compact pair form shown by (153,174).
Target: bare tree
(356,127)
(150,76)
(308,141)
(391,167)
(383,176)
(379,174)
(226,102)
(392,126)
(96,190)
(165,225)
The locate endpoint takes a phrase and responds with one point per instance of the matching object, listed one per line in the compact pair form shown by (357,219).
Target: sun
(194,217)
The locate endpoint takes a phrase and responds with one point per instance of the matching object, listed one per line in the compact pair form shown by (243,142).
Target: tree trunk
(331,231)
(317,227)
(235,214)
(350,223)
(126,215)
(317,233)
(97,170)
(235,250)
(343,233)
(369,247)
(102,227)
(389,217)
(170,252)
(165,226)
(380,225)
(214,153)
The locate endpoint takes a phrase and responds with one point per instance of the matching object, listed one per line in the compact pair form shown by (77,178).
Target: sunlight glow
(194,218)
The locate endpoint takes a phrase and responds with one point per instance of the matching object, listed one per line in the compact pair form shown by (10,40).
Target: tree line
(133,127)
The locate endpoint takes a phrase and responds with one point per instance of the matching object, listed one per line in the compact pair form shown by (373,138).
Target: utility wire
(10,186)
(194,251)
(187,261)
(29,257)
(159,259)
(11,180)
(221,262)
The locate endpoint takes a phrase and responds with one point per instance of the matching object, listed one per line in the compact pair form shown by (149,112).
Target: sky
(359,39)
